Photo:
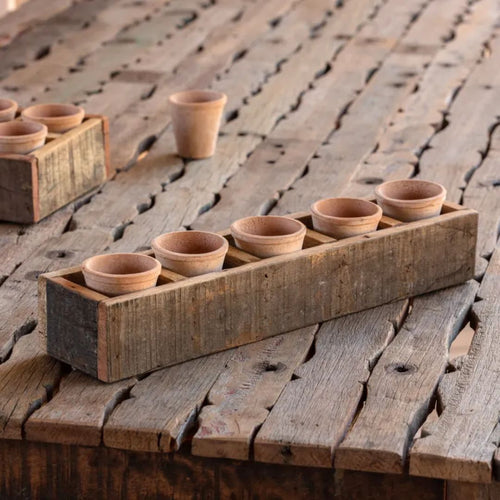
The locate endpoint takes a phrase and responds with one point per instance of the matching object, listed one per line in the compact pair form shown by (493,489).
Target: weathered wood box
(69,165)
(251,299)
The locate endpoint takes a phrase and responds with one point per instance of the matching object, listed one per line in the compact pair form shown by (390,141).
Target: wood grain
(246,389)
(401,387)
(461,444)
(315,409)
(162,408)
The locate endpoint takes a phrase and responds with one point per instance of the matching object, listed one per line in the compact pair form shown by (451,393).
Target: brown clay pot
(8,109)
(191,253)
(57,117)
(345,217)
(410,199)
(196,117)
(119,273)
(21,137)
(268,235)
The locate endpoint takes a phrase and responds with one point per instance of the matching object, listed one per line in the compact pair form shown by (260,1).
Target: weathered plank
(247,388)
(422,113)
(401,387)
(459,490)
(461,444)
(476,101)
(76,414)
(163,407)
(315,410)
(27,379)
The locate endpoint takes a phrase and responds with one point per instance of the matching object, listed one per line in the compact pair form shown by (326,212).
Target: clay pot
(119,273)
(410,199)
(268,235)
(191,253)
(58,117)
(196,117)
(21,137)
(8,109)
(345,217)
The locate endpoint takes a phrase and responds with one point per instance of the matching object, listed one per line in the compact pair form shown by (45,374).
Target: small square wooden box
(251,299)
(69,165)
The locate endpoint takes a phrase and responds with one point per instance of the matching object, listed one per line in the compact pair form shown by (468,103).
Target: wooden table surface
(325,99)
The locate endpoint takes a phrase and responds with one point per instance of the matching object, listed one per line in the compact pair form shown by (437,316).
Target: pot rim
(219,99)
(357,219)
(170,254)
(416,201)
(21,138)
(77,112)
(12,104)
(155,270)
(268,240)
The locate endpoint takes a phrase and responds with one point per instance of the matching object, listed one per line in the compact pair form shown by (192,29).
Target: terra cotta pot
(57,117)
(8,109)
(191,253)
(196,117)
(345,217)
(410,199)
(268,235)
(21,137)
(119,273)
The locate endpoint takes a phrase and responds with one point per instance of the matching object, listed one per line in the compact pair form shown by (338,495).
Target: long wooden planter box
(183,318)
(69,165)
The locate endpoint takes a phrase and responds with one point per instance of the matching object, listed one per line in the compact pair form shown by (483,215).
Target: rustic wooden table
(325,99)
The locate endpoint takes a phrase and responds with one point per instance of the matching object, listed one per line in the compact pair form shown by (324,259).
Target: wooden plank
(163,407)
(76,414)
(27,379)
(25,17)
(476,100)
(315,409)
(246,389)
(18,189)
(401,387)
(459,490)
(60,471)
(71,165)
(461,444)
(199,301)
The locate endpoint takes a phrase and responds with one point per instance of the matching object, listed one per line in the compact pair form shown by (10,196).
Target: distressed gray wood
(461,444)
(401,387)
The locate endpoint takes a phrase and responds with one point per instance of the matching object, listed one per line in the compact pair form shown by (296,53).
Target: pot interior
(190,242)
(268,225)
(5,104)
(121,264)
(346,207)
(410,190)
(51,110)
(18,128)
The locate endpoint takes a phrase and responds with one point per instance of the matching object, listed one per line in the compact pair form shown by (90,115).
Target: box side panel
(71,165)
(237,307)
(18,192)
(72,327)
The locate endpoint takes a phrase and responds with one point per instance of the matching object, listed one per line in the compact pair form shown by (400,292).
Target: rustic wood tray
(69,165)
(251,299)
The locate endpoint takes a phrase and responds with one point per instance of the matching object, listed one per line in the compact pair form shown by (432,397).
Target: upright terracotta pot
(119,273)
(410,199)
(21,137)
(191,253)
(57,117)
(196,117)
(345,217)
(268,235)
(8,109)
